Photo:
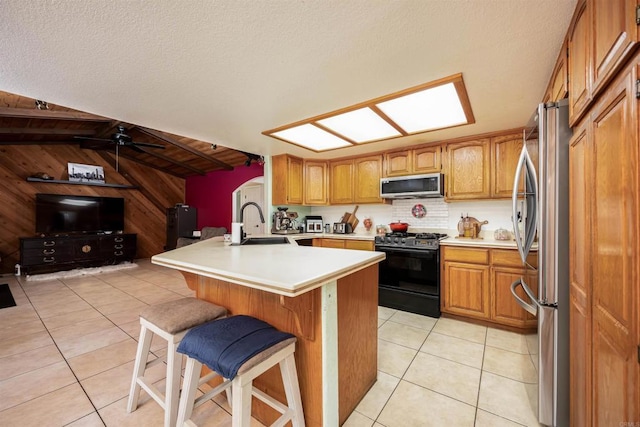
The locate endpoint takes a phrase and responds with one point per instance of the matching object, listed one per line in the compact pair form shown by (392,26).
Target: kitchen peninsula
(327,297)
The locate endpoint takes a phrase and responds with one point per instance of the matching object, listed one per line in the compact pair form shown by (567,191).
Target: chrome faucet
(254,204)
(242,233)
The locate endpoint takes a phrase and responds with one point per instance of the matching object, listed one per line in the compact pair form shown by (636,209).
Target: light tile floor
(67,351)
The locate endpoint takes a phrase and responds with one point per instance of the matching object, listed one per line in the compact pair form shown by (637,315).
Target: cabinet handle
(50,259)
(118,253)
(51,243)
(118,246)
(49,251)
(119,239)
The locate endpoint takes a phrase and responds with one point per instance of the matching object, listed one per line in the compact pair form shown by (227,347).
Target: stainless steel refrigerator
(541,212)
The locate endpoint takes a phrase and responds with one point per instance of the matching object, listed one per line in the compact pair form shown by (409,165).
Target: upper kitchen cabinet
(602,35)
(468,170)
(367,174)
(355,180)
(341,182)
(398,163)
(558,87)
(505,151)
(614,34)
(316,183)
(286,185)
(416,161)
(579,81)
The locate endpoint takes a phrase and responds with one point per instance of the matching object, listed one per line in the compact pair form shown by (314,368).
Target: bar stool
(239,349)
(171,321)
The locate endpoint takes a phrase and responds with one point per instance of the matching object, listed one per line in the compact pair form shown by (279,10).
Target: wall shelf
(96,184)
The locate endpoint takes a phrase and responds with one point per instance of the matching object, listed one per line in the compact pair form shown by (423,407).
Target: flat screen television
(66,214)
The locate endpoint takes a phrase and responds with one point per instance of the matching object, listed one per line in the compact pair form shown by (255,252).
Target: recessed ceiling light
(361,125)
(310,136)
(434,108)
(435,105)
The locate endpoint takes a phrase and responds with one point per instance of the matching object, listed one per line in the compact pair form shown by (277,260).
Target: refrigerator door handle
(531,200)
(531,308)
(515,215)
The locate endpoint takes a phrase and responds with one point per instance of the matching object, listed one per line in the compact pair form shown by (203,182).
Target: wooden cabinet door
(367,174)
(580,181)
(614,34)
(504,308)
(505,152)
(558,85)
(615,238)
(286,184)
(466,290)
(469,170)
(579,75)
(315,183)
(427,160)
(341,182)
(398,163)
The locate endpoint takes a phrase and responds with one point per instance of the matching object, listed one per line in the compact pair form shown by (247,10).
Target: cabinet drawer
(511,258)
(363,245)
(470,255)
(43,243)
(47,252)
(27,261)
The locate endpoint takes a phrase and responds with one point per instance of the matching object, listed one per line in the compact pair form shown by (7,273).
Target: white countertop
(285,269)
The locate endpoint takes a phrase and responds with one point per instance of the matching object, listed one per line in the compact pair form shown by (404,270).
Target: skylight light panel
(361,125)
(312,137)
(432,108)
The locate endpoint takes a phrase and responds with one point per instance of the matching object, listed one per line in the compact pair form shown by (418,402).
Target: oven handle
(408,251)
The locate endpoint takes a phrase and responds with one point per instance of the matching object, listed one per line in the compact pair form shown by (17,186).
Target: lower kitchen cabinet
(476,283)
(504,309)
(363,245)
(466,292)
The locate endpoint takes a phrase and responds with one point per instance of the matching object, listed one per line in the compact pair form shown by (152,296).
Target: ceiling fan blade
(134,148)
(88,138)
(147,144)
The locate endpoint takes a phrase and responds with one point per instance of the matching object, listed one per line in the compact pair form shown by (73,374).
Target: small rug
(6,299)
(81,272)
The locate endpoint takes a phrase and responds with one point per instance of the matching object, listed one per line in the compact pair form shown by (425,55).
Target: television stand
(58,253)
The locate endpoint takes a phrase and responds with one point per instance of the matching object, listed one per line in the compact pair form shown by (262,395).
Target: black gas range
(410,240)
(409,277)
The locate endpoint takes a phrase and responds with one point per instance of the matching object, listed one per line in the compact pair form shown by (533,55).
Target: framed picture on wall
(85,173)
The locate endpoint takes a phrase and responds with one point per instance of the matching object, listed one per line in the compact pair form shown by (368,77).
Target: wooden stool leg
(174,367)
(241,406)
(189,387)
(144,344)
(292,389)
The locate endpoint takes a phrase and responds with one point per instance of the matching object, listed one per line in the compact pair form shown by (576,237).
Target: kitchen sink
(265,241)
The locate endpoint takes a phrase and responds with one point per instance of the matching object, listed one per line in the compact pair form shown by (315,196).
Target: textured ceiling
(224,71)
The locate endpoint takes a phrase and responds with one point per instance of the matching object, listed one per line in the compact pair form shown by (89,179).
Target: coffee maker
(285,222)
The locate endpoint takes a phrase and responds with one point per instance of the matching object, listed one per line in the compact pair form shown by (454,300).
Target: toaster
(342,228)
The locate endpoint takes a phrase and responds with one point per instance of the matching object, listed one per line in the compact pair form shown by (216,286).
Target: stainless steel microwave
(413,186)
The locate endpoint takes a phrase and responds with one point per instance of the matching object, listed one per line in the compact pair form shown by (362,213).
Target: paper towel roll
(236,232)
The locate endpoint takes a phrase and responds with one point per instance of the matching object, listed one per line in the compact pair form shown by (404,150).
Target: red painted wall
(211,194)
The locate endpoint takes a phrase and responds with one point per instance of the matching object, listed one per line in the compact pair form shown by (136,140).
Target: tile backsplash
(439,214)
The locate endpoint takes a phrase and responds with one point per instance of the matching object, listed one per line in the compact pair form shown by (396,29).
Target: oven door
(410,270)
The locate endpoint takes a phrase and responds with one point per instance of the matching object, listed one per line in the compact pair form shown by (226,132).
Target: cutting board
(352,219)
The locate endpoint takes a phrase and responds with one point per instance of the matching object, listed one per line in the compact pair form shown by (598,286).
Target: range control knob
(404,240)
(395,240)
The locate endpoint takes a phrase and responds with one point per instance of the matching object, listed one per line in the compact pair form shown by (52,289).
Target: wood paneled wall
(144,207)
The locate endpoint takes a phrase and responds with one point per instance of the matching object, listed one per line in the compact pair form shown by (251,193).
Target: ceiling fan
(120,139)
